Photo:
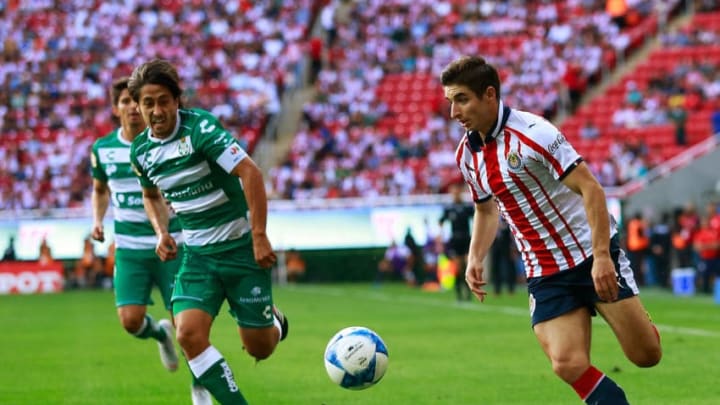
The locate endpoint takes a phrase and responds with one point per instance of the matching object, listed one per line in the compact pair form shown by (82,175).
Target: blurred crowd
(683,238)
(238,58)
(57,60)
(549,53)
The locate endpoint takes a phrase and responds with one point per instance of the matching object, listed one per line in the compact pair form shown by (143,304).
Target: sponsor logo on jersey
(553,147)
(183,148)
(514,161)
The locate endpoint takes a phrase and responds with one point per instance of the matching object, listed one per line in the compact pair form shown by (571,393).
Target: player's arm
(159,217)
(100,201)
(254,188)
(484,228)
(581,181)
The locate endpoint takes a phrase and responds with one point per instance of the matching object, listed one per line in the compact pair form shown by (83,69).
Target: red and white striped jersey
(521,166)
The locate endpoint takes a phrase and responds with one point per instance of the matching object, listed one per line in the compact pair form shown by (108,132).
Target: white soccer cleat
(200,395)
(168,355)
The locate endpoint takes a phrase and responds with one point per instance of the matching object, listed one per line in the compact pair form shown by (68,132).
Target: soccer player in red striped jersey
(520,166)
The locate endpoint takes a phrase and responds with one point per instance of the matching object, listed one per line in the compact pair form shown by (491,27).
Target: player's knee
(130,323)
(648,357)
(569,369)
(260,351)
(191,340)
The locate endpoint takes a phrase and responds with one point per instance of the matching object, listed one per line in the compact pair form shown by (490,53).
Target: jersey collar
(476,141)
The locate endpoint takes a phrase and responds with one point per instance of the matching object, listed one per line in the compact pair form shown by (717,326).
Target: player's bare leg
(136,321)
(261,342)
(566,342)
(636,333)
(206,363)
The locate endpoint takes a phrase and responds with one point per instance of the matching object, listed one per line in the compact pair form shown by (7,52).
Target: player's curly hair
(156,71)
(473,72)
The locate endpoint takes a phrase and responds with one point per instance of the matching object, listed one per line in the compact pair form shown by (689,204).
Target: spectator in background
(9,253)
(88,269)
(637,245)
(45,256)
(459,213)
(503,272)
(660,250)
(688,222)
(392,265)
(576,84)
(715,119)
(415,268)
(295,265)
(706,243)
(679,116)
(589,130)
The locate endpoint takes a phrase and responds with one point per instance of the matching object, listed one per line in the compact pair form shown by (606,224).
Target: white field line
(379,296)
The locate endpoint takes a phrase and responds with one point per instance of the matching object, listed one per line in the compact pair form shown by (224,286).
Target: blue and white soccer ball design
(356,358)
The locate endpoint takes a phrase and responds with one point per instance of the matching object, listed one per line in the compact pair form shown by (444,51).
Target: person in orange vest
(618,10)
(706,243)
(637,246)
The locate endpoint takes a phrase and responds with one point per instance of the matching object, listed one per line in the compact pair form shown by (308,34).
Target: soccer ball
(356,358)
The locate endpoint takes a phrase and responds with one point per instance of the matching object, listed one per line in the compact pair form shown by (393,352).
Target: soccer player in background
(137,267)
(458,213)
(219,196)
(557,212)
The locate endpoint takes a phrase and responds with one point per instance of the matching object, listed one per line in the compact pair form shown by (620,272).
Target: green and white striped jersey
(111,164)
(192,169)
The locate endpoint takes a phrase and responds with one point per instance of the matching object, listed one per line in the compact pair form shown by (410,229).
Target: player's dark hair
(472,72)
(117,88)
(156,71)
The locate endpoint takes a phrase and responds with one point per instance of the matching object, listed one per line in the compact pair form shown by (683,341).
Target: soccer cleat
(200,395)
(168,355)
(284,326)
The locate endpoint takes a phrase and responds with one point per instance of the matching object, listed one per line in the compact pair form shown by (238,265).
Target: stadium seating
(660,64)
(234,58)
(532,44)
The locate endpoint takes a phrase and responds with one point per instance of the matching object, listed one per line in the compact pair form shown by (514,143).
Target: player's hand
(474,278)
(264,255)
(605,278)
(98,233)
(166,248)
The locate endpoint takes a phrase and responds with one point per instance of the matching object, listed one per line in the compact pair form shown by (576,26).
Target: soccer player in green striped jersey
(217,191)
(137,267)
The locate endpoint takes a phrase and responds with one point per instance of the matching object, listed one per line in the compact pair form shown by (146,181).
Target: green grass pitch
(69,348)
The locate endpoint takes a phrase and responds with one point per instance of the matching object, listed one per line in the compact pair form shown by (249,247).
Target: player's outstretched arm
(485,224)
(254,188)
(100,200)
(582,181)
(157,211)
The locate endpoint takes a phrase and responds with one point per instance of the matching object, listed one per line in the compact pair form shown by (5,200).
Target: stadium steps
(274,146)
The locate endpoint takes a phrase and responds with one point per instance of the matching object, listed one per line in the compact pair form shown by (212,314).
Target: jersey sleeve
(217,144)
(554,151)
(96,169)
(138,169)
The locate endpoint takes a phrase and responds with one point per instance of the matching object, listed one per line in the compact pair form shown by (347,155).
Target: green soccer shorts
(137,271)
(206,281)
